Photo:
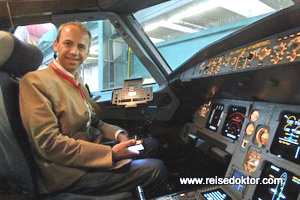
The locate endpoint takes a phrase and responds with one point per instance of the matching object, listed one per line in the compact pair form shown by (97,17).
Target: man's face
(72,48)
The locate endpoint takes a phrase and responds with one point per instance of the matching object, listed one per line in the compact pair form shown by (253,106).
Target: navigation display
(234,122)
(289,187)
(287,137)
(215,117)
(217,194)
(238,187)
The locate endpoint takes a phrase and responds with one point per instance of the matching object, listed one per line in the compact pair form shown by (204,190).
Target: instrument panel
(263,139)
(249,83)
(272,51)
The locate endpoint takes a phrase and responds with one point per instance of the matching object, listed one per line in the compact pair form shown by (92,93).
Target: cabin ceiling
(178,18)
(39,11)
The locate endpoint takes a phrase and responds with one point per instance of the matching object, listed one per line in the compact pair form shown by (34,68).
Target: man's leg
(151,174)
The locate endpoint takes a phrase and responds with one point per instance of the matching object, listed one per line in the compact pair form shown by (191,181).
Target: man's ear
(55,45)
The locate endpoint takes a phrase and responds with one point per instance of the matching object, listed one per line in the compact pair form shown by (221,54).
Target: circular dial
(262,136)
(254,115)
(250,129)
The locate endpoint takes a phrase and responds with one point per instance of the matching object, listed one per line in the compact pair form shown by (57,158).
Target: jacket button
(86,113)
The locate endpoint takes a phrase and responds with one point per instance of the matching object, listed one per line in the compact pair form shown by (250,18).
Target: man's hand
(120,150)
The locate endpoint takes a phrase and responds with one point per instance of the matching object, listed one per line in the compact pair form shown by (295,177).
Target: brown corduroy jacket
(54,116)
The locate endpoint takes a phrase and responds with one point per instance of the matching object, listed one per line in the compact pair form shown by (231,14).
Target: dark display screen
(288,189)
(234,122)
(133,84)
(217,194)
(215,117)
(287,137)
(238,187)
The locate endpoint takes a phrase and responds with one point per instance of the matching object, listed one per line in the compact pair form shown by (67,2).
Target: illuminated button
(250,129)
(244,143)
(254,115)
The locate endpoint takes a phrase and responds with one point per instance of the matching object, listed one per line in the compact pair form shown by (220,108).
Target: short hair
(79,25)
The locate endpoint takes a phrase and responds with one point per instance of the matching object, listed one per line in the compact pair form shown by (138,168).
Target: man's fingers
(129,142)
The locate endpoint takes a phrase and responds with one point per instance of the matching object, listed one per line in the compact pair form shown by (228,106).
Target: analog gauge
(250,129)
(254,115)
(252,160)
(262,136)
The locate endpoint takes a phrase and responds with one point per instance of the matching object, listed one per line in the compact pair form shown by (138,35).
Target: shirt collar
(63,70)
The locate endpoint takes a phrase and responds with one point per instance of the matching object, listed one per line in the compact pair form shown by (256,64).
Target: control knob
(247,55)
(227,61)
(278,49)
(258,51)
(222,59)
(262,53)
(293,45)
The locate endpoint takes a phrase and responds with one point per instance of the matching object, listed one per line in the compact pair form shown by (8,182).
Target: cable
(10,18)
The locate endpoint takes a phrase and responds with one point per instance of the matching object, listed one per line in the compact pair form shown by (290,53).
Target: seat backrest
(16,59)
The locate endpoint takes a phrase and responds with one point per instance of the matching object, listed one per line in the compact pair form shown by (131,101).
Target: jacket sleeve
(108,130)
(42,127)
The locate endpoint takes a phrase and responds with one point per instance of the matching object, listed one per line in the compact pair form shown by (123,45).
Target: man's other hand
(120,150)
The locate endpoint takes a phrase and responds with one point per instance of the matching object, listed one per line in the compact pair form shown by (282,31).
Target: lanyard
(67,78)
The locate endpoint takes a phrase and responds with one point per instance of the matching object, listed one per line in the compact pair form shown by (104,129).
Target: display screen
(289,188)
(133,84)
(287,137)
(234,122)
(238,187)
(215,117)
(217,194)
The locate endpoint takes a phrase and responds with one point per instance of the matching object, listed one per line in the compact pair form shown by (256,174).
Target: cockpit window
(110,60)
(180,28)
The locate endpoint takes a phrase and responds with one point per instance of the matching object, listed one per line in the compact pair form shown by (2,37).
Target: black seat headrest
(17,57)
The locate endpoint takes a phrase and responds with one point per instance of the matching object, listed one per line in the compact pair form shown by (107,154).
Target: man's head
(72,45)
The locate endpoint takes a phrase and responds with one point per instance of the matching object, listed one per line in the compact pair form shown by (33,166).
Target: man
(64,131)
